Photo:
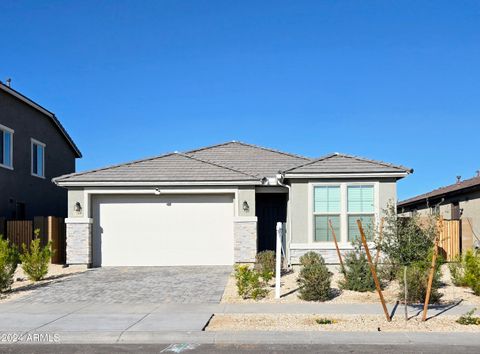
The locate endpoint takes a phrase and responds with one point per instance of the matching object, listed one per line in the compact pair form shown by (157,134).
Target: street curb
(255,337)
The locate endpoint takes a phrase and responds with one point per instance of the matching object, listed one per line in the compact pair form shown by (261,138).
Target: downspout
(289,218)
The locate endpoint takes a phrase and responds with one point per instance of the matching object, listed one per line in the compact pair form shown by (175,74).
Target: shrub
(469,319)
(249,283)
(325,321)
(417,281)
(457,272)
(265,264)
(358,276)
(407,240)
(466,272)
(8,264)
(35,260)
(314,278)
(311,258)
(472,271)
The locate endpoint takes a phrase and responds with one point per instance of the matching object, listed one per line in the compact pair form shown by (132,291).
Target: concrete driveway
(107,303)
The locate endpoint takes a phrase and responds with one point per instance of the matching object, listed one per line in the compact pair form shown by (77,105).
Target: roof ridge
(410,170)
(427,194)
(112,166)
(388,164)
(324,157)
(217,164)
(45,111)
(249,145)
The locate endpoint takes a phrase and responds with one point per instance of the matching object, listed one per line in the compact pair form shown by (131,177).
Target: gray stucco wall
(40,195)
(246,194)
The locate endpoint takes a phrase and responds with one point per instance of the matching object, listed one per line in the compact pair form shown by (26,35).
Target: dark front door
(270,208)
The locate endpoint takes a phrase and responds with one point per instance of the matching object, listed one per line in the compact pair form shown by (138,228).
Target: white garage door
(163,230)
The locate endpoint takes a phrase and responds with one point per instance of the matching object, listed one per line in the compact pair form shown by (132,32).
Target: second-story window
(38,158)
(6,147)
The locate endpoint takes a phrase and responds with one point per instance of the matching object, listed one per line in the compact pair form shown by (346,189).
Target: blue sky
(391,80)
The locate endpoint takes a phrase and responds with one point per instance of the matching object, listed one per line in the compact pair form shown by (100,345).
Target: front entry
(270,209)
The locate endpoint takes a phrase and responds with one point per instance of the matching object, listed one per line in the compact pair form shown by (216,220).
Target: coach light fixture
(77,208)
(246,207)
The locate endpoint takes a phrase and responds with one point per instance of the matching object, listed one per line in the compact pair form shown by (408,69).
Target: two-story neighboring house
(34,148)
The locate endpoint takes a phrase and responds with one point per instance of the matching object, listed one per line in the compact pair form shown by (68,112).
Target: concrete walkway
(172,323)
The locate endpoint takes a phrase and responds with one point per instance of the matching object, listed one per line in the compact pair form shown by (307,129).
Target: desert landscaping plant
(417,279)
(466,271)
(250,283)
(325,321)
(314,279)
(8,264)
(265,264)
(469,319)
(358,276)
(35,259)
(409,242)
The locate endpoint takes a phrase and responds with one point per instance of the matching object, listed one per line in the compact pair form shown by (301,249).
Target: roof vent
(459,179)
(9,82)
(478,173)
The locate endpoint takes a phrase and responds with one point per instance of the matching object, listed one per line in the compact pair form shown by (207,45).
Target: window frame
(43,145)
(342,239)
(11,132)
(325,213)
(373,213)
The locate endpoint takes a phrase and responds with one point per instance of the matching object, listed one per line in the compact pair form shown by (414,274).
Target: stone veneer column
(245,239)
(79,240)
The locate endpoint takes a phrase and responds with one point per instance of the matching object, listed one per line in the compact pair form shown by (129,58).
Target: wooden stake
(432,270)
(380,237)
(338,249)
(372,268)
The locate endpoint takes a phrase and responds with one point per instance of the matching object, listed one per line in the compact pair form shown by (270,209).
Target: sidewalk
(184,323)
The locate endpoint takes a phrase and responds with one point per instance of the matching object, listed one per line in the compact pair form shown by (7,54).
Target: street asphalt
(234,349)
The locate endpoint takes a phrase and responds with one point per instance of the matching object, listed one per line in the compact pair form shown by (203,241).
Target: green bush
(8,264)
(466,271)
(472,271)
(35,260)
(417,281)
(310,258)
(358,276)
(249,283)
(469,319)
(265,264)
(314,278)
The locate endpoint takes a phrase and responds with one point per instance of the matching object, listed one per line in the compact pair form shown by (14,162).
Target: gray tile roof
(342,163)
(459,187)
(252,159)
(174,167)
(232,161)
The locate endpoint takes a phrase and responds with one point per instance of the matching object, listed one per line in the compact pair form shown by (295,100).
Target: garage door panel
(163,230)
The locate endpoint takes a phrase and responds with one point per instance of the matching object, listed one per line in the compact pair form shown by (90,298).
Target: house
(34,148)
(219,205)
(458,201)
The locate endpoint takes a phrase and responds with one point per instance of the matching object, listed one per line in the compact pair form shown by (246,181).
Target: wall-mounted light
(77,208)
(157,191)
(245,206)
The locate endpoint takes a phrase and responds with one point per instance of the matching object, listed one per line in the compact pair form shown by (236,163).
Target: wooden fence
(50,228)
(449,243)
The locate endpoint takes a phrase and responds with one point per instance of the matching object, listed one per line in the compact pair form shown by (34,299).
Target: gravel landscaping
(22,286)
(346,323)
(289,290)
